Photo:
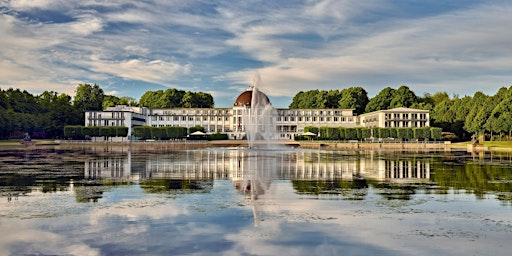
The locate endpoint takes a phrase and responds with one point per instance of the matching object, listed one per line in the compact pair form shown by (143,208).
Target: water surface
(234,201)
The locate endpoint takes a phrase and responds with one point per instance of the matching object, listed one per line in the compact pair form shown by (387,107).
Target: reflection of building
(240,165)
(230,121)
(112,168)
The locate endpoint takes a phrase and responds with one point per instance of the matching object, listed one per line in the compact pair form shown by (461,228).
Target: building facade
(396,117)
(232,121)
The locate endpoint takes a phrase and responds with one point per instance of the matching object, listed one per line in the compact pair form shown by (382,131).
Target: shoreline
(327,145)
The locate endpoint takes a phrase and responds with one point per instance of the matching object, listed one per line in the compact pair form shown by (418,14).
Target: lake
(108,200)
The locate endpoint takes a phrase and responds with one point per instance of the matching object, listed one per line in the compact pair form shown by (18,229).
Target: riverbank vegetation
(367,134)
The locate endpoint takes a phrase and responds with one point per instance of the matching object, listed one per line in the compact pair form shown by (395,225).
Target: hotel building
(288,121)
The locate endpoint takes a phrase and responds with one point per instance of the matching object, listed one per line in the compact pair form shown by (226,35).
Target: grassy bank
(498,144)
(12,143)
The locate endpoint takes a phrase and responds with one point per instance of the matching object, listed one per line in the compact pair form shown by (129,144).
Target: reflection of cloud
(21,239)
(138,210)
(126,222)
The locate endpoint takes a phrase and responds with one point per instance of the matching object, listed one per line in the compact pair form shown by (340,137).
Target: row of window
(405,124)
(196,112)
(189,118)
(240,111)
(315,119)
(412,116)
(106,123)
(239,118)
(113,115)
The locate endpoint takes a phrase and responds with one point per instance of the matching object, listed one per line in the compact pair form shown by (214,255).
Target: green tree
(332,99)
(403,97)
(149,98)
(479,120)
(381,101)
(197,100)
(354,97)
(88,97)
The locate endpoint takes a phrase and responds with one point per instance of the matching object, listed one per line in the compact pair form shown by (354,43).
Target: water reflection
(233,165)
(347,174)
(251,202)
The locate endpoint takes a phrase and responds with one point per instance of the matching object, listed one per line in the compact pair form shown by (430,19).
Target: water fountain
(259,118)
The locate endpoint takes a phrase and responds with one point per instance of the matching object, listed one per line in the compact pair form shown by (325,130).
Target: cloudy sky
(130,47)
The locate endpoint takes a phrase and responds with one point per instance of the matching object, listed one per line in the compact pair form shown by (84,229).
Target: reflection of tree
(24,183)
(85,194)
(396,191)
(176,186)
(475,178)
(355,190)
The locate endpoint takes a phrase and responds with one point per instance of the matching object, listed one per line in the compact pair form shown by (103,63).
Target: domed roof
(245,98)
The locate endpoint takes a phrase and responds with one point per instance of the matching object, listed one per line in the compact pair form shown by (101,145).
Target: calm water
(229,201)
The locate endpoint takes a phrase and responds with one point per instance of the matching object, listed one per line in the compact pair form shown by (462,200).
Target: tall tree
(354,97)
(477,118)
(89,97)
(403,97)
(332,99)
(381,101)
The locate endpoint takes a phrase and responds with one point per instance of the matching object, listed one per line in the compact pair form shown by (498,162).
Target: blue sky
(130,47)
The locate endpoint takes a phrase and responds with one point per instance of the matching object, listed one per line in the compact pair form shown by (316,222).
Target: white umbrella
(198,133)
(309,134)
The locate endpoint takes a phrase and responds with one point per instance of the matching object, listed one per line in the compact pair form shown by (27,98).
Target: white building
(396,117)
(120,115)
(288,122)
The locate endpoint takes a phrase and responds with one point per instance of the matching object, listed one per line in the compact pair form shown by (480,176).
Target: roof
(402,109)
(245,98)
(397,110)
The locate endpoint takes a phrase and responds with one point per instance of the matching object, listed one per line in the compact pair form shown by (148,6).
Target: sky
(130,47)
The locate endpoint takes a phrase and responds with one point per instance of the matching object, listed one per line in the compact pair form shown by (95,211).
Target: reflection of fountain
(257,169)
(259,117)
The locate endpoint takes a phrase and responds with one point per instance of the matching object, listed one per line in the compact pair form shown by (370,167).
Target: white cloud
(153,71)
(427,52)
(295,46)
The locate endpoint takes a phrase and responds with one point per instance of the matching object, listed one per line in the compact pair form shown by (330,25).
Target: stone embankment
(291,143)
(369,145)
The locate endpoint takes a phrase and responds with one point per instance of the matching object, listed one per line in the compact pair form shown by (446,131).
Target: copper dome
(245,98)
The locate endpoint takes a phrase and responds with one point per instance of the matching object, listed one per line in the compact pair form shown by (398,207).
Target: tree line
(488,116)
(357,98)
(45,115)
